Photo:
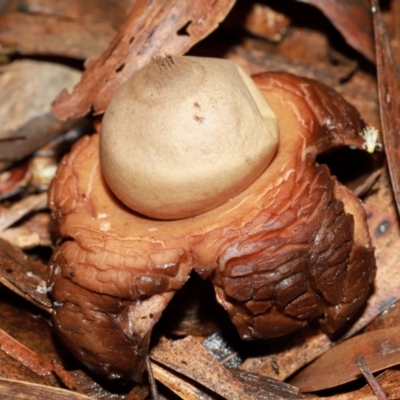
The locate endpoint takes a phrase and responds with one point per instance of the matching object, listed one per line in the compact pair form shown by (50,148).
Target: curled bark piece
(150,28)
(292,247)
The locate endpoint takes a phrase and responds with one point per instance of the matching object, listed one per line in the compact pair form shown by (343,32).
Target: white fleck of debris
(41,288)
(57,304)
(105,226)
(371,135)
(50,288)
(152,229)
(373,9)
(30,274)
(387,98)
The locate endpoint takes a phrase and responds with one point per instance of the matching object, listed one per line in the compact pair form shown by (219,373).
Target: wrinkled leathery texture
(307,258)
(292,247)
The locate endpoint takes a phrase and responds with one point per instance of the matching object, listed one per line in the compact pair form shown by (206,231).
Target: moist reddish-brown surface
(292,247)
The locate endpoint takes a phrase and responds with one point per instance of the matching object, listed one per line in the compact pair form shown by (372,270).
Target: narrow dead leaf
(389,99)
(18,273)
(189,358)
(267,388)
(12,369)
(353,20)
(151,28)
(380,349)
(180,386)
(25,356)
(17,390)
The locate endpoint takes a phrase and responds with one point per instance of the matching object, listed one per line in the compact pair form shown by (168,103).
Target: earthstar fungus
(291,247)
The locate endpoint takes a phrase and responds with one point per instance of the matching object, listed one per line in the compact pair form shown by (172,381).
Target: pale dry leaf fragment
(189,358)
(181,387)
(13,389)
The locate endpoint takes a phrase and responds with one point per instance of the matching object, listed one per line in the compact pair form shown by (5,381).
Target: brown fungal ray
(292,247)
(308,253)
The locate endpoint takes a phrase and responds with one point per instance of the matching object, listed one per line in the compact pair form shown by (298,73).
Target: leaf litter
(26,277)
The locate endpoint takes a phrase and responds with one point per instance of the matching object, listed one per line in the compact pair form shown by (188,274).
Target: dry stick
(363,367)
(152,381)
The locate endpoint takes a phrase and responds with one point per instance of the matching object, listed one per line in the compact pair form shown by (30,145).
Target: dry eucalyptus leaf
(12,369)
(353,20)
(151,28)
(380,349)
(189,358)
(68,28)
(267,388)
(79,381)
(19,273)
(182,387)
(25,356)
(25,344)
(389,99)
(388,381)
(27,89)
(18,390)
(289,355)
